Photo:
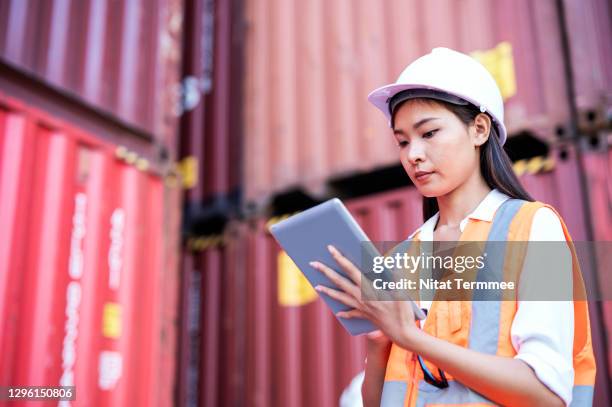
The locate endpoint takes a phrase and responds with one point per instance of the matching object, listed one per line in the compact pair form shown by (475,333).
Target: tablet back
(305,237)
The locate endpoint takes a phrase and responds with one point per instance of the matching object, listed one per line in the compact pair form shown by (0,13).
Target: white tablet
(305,237)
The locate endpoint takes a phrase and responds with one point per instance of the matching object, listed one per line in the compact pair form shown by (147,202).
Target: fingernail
(313,264)
(318,288)
(331,248)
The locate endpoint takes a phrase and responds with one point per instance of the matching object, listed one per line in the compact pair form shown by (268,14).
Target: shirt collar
(484,211)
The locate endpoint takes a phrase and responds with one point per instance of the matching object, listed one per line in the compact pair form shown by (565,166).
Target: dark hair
(495,165)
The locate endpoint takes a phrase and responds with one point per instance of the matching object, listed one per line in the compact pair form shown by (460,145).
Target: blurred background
(146,146)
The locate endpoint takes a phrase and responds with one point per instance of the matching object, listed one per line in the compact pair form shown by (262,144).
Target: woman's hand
(504,380)
(395,318)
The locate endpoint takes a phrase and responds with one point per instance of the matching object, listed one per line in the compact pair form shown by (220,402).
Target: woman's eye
(430,133)
(402,144)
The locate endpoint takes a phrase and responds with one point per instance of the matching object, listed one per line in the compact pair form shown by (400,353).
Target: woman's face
(437,150)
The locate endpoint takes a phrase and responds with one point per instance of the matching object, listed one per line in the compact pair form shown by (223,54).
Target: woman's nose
(416,153)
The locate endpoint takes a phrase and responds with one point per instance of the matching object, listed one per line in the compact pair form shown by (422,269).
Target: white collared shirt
(542,332)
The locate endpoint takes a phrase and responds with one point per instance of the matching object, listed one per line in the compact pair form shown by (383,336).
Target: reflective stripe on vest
(490,321)
(582,396)
(484,330)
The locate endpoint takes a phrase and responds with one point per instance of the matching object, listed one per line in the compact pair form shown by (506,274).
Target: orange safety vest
(484,325)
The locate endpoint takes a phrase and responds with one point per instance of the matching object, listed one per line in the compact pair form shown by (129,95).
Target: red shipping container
(87,280)
(589,29)
(598,170)
(253,349)
(294,352)
(118,58)
(211,125)
(310,66)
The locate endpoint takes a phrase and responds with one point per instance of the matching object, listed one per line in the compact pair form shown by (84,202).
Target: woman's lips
(423,175)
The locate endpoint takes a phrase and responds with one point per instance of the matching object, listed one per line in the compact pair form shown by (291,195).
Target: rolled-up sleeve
(542,332)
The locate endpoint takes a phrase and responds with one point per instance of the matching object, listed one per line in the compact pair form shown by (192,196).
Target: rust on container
(86,265)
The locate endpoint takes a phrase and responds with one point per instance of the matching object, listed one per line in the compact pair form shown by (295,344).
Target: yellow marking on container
(534,165)
(293,288)
(549,164)
(188,168)
(519,167)
(500,62)
(111,320)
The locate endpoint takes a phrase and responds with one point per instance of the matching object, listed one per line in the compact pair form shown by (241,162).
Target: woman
(446,113)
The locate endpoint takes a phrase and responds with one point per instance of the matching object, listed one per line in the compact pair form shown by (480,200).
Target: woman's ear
(481,129)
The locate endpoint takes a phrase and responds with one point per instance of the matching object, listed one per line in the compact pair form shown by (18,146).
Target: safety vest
(484,326)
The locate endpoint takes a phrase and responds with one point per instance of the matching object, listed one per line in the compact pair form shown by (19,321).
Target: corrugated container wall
(210,122)
(598,170)
(88,265)
(118,58)
(310,66)
(589,26)
(256,332)
(259,333)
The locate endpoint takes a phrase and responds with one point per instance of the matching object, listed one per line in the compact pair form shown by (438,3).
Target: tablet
(305,237)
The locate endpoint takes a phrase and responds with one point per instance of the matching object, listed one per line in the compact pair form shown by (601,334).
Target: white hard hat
(448,75)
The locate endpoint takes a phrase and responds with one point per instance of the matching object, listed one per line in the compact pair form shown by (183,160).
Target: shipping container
(210,126)
(306,83)
(266,338)
(118,60)
(210,122)
(310,66)
(88,265)
(260,324)
(598,171)
(589,30)
(585,213)
(255,348)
